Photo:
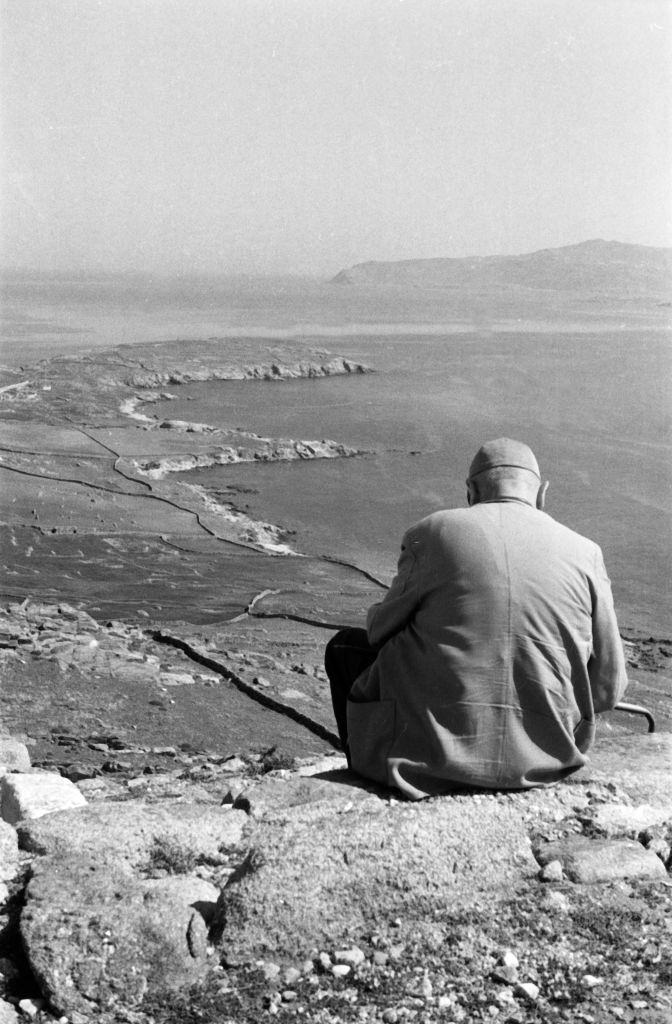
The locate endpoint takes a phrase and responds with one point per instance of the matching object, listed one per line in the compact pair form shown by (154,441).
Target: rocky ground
(305,897)
(180,840)
(196,874)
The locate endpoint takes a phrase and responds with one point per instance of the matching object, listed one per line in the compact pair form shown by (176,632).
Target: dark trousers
(347,654)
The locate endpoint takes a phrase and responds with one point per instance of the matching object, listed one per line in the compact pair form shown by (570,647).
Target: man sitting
(497,643)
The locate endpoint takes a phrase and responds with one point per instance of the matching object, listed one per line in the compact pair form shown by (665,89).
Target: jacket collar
(496,501)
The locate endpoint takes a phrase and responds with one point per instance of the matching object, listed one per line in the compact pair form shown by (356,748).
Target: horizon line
(267,275)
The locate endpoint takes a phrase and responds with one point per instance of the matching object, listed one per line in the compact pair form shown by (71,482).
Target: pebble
(551,872)
(509,959)
(233,764)
(557,901)
(505,997)
(528,990)
(380,958)
(390,1016)
(353,956)
(590,981)
(507,975)
(397,951)
(31,1007)
(291,976)
(324,961)
(288,996)
(341,970)
(271,971)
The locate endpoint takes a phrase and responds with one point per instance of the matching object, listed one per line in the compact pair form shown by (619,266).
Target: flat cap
(503,452)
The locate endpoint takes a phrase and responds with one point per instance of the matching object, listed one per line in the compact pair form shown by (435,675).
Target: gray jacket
(499,645)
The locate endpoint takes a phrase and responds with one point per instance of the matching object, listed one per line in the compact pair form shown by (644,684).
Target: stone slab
(31,796)
(304,886)
(97,940)
(602,860)
(129,831)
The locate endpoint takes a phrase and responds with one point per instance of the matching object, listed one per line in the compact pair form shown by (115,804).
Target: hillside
(597,266)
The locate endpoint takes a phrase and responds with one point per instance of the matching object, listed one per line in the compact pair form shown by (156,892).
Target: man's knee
(345,640)
(347,654)
(350,637)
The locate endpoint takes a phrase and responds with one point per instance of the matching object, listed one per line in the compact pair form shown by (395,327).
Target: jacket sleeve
(391,614)
(606,667)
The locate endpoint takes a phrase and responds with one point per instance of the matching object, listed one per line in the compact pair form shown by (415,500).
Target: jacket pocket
(371,730)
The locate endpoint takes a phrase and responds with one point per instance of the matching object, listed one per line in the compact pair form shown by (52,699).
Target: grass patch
(169,856)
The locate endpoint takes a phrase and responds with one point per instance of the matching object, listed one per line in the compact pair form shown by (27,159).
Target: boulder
(14,756)
(31,796)
(134,833)
(9,851)
(602,860)
(303,887)
(98,939)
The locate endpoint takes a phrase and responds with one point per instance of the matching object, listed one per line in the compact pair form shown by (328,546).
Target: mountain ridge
(596,264)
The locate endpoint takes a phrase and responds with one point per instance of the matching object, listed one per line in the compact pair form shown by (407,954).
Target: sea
(586,382)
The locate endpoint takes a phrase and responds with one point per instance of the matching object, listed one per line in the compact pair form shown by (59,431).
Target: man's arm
(606,667)
(397,607)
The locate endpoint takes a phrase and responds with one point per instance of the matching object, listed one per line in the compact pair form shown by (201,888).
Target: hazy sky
(307,135)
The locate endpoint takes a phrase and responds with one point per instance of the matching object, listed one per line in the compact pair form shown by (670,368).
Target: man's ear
(472,493)
(541,496)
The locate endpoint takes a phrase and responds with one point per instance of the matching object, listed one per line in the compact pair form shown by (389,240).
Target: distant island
(613,268)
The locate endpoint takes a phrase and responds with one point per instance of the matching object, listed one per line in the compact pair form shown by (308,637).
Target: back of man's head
(505,468)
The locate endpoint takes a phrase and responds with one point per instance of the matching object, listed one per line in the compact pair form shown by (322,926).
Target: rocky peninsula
(180,837)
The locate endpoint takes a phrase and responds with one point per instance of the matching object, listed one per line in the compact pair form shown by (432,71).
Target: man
(497,643)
